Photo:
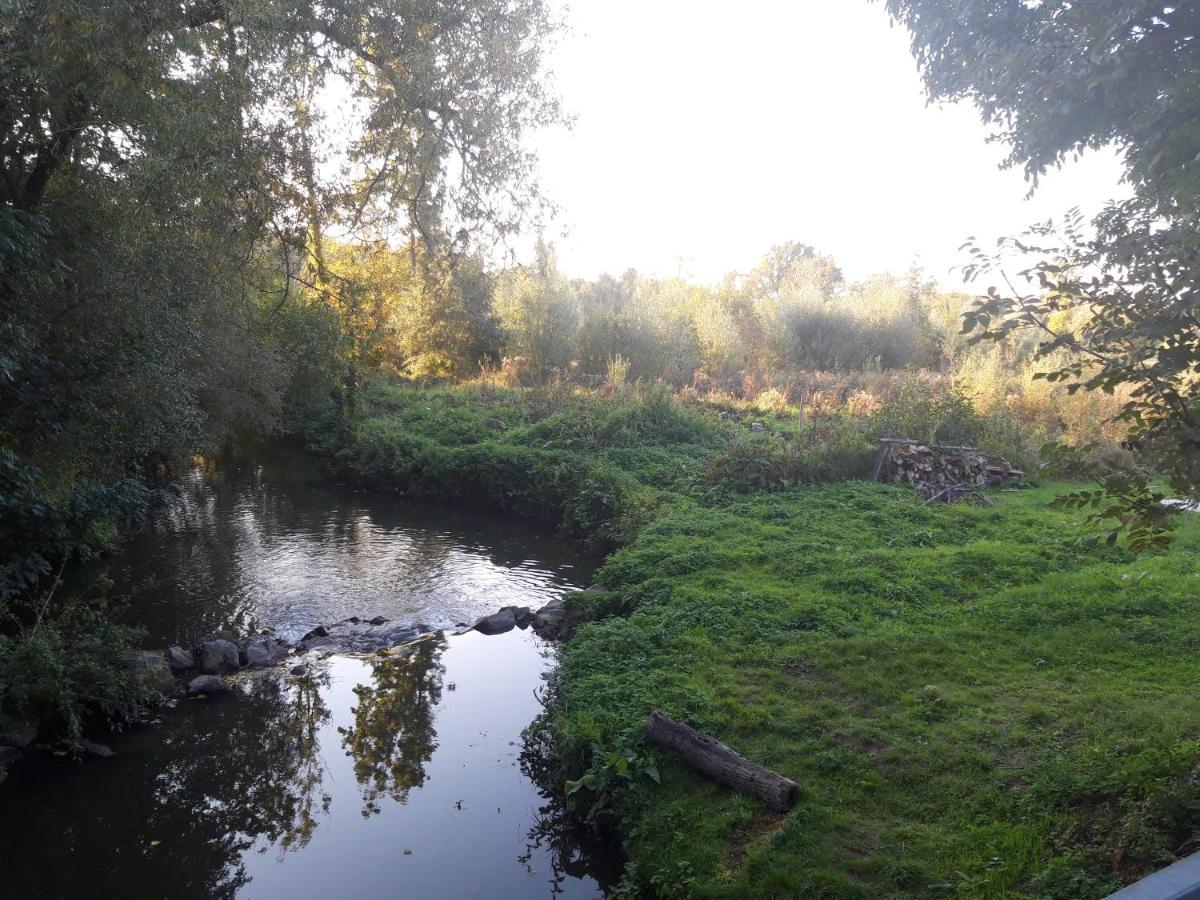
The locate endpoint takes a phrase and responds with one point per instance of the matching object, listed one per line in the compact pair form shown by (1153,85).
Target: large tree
(1055,78)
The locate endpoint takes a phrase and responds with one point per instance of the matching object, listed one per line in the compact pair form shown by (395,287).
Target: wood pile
(940,472)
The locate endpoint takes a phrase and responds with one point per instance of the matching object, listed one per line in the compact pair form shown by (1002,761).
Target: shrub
(68,665)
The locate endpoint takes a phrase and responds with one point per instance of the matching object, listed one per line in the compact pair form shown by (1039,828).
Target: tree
(1055,78)
(170,176)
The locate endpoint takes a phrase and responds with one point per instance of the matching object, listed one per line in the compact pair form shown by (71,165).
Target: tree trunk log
(712,758)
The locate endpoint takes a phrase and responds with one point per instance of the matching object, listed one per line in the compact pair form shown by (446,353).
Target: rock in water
(378,620)
(150,669)
(548,619)
(498,622)
(94,749)
(207,684)
(264,651)
(218,656)
(179,659)
(319,632)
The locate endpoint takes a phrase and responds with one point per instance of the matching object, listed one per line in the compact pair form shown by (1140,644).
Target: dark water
(394,776)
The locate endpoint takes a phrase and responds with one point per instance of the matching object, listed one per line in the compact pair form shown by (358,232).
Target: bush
(829,449)
(928,412)
(69,665)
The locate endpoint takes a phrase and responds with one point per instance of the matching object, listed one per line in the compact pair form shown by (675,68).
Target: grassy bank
(975,703)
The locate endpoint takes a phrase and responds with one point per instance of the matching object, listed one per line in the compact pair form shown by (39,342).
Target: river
(372,776)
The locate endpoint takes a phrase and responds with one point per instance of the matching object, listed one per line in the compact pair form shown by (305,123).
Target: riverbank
(975,701)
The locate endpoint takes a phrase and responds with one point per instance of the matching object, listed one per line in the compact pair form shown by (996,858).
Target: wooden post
(712,758)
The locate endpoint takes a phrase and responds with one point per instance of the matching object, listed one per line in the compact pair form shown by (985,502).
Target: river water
(398,776)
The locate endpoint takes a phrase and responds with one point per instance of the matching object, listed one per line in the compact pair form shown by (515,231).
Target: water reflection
(245,546)
(369,776)
(393,735)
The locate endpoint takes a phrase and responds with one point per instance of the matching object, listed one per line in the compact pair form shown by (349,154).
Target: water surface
(394,775)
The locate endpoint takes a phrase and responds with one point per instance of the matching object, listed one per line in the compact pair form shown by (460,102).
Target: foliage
(69,664)
(1057,78)
(1140,334)
(169,174)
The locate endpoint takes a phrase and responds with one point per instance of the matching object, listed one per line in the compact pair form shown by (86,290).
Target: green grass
(975,702)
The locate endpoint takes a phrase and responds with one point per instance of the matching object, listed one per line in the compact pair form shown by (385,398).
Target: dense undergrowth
(976,702)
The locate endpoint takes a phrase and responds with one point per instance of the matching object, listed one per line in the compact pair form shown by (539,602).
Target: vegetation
(222,217)
(977,701)
(168,174)
(1056,78)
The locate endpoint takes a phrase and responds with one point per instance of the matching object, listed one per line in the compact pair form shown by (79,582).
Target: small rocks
(757,426)
(218,656)
(207,684)
(179,659)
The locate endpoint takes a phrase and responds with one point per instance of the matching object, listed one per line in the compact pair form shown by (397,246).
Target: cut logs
(941,472)
(721,763)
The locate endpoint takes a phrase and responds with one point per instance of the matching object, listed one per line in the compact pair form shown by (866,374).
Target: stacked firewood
(935,469)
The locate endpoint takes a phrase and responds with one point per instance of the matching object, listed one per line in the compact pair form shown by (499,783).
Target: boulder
(218,656)
(179,659)
(263,651)
(523,615)
(498,622)
(548,619)
(20,735)
(207,684)
(8,754)
(150,669)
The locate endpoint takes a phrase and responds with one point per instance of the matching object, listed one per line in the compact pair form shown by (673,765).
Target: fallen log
(720,763)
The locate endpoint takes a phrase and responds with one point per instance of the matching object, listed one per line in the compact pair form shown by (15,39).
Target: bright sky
(706,132)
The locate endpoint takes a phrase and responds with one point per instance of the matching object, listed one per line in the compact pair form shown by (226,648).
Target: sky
(707,132)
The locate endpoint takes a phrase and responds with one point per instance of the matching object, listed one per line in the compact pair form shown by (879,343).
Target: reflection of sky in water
(315,787)
(246,547)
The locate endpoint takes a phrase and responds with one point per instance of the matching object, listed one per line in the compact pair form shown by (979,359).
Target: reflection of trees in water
(227,784)
(574,851)
(393,736)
